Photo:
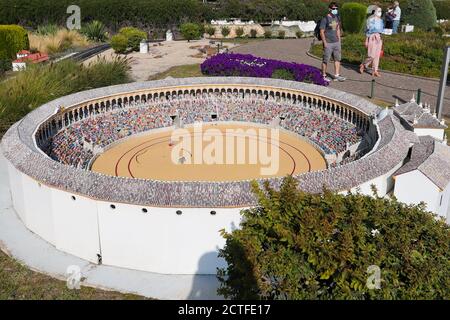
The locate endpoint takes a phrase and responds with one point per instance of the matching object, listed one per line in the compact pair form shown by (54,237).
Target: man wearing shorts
(330,32)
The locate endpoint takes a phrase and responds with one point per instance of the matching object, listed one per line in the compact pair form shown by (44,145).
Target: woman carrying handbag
(374,43)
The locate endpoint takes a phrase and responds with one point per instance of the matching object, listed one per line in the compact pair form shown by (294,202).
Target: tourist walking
(330,33)
(374,43)
(397,15)
(389,18)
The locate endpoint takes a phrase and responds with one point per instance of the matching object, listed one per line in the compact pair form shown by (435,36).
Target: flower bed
(246,65)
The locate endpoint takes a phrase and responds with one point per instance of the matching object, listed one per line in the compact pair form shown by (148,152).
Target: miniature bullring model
(172,227)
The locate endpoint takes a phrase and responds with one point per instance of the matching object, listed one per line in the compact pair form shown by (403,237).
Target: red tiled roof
(33,58)
(22,52)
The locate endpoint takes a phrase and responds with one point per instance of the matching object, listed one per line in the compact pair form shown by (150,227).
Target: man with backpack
(329,31)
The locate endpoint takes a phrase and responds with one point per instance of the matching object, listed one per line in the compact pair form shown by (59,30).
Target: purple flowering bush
(247,65)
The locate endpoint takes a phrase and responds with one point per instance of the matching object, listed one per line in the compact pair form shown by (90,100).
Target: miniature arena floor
(31,250)
(213,153)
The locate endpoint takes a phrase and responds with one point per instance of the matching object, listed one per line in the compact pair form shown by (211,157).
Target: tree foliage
(295,245)
(190,31)
(420,13)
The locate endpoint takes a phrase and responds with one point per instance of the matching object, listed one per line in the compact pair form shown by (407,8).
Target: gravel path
(295,50)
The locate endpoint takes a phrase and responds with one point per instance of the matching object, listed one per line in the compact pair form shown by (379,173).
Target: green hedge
(12,39)
(442,9)
(113,13)
(353,17)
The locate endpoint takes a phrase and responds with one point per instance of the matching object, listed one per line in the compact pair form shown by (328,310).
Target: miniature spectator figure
(330,33)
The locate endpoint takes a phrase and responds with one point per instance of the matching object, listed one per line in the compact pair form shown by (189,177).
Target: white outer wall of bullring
(157,241)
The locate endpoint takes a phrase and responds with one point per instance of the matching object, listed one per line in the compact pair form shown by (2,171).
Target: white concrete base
(28,248)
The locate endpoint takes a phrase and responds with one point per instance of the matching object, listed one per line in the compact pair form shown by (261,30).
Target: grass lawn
(20,283)
(416,53)
(185,71)
(240,41)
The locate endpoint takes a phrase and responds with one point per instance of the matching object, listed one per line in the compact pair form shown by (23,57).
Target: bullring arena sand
(149,156)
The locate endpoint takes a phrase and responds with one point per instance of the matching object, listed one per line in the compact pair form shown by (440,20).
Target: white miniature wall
(383,183)
(435,133)
(413,187)
(159,240)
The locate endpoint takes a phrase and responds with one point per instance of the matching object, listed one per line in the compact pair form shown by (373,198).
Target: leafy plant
(47,29)
(210,30)
(283,74)
(225,31)
(119,43)
(190,31)
(239,32)
(253,33)
(12,39)
(267,34)
(295,245)
(281,34)
(299,34)
(134,37)
(95,31)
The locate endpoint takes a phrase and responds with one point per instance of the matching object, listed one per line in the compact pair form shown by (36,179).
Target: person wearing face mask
(330,33)
(374,43)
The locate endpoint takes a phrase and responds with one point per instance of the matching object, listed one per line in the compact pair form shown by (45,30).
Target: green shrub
(420,13)
(210,30)
(281,34)
(5,65)
(239,32)
(299,34)
(225,31)
(253,33)
(296,245)
(190,31)
(442,9)
(283,74)
(12,39)
(119,43)
(95,31)
(47,29)
(134,36)
(267,34)
(353,17)
(41,83)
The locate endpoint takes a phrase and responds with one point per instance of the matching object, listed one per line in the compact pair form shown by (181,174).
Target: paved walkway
(28,248)
(295,50)
(161,57)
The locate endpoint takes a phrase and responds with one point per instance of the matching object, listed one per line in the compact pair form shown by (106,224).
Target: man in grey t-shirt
(330,32)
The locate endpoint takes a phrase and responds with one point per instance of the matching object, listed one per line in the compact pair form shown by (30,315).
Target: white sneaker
(327,78)
(339,78)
